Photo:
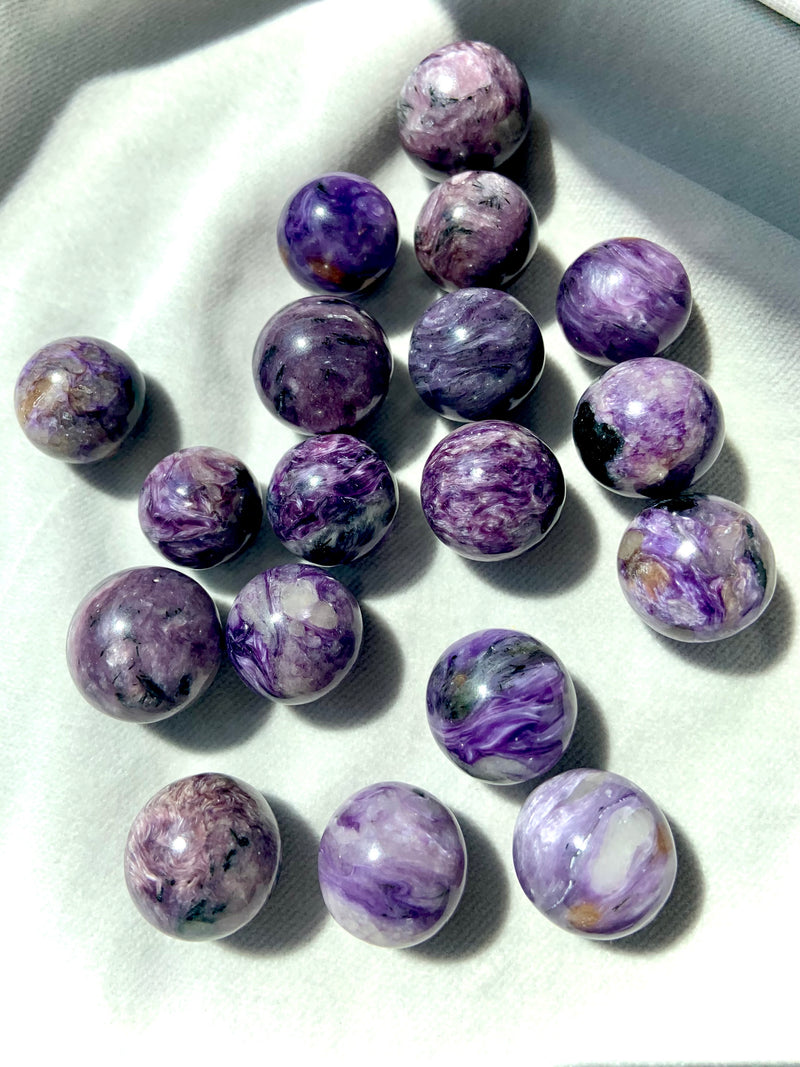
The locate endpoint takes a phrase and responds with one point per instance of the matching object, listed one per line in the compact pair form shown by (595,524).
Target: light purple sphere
(464,107)
(144,644)
(200,507)
(293,633)
(477,229)
(392,865)
(696,568)
(594,854)
(77,399)
(491,490)
(202,857)
(649,427)
(623,299)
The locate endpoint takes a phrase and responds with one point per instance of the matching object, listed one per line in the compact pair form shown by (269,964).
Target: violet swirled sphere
(475,354)
(466,106)
(392,865)
(144,644)
(293,633)
(331,499)
(649,427)
(200,507)
(475,229)
(77,399)
(202,857)
(491,490)
(501,706)
(594,854)
(338,233)
(622,299)
(321,365)
(696,568)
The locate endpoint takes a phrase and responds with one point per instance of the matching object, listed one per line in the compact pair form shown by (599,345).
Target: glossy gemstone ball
(649,427)
(392,865)
(594,854)
(338,233)
(321,365)
(475,229)
(623,299)
(491,490)
(77,399)
(202,857)
(696,568)
(475,354)
(293,633)
(331,499)
(501,706)
(466,106)
(144,644)
(200,507)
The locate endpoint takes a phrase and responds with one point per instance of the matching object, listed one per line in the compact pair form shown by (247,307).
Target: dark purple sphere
(322,365)
(338,233)
(475,354)
(202,857)
(144,644)
(491,490)
(77,399)
(200,507)
(475,229)
(501,706)
(331,499)
(464,107)
(293,633)
(623,299)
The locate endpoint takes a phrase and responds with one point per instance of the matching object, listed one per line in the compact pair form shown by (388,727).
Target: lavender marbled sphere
(321,365)
(594,854)
(475,229)
(331,499)
(200,507)
(144,644)
(491,490)
(293,633)
(501,705)
(649,427)
(696,568)
(622,299)
(392,865)
(466,106)
(202,857)
(475,354)
(338,233)
(77,399)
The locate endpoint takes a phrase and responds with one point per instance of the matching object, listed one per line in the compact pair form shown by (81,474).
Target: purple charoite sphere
(466,106)
(392,865)
(144,644)
(331,499)
(475,354)
(491,490)
(338,233)
(649,427)
(202,857)
(501,705)
(77,399)
(293,633)
(200,507)
(594,854)
(696,568)
(475,229)
(322,365)
(623,299)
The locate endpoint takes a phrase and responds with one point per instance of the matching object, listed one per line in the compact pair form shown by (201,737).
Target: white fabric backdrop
(147,149)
